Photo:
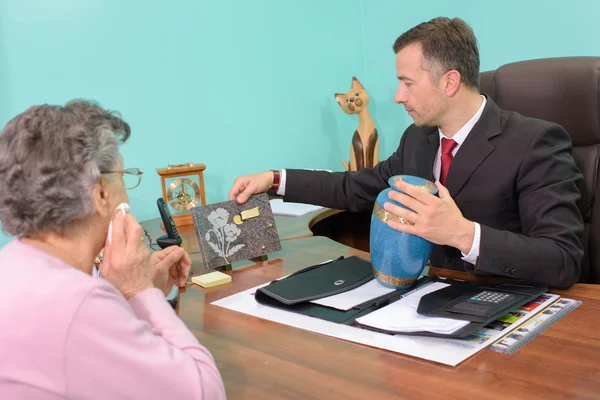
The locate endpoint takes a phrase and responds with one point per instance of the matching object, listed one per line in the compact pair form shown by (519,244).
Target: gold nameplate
(251,213)
(246,214)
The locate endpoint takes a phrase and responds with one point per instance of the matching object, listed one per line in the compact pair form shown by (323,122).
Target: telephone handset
(172,237)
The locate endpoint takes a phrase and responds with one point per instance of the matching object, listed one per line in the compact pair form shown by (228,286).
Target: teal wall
(241,86)
(218,81)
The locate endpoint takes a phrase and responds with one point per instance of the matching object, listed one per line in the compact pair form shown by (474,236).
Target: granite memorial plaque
(228,232)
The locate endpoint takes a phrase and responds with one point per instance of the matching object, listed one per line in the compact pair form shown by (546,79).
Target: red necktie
(447,147)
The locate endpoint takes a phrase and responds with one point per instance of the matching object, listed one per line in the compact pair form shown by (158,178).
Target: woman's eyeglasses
(131,176)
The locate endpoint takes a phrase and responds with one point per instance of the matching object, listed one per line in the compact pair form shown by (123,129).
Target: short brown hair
(449,42)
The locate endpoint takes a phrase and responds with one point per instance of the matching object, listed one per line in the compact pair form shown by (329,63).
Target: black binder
(442,303)
(320,281)
(295,292)
(439,304)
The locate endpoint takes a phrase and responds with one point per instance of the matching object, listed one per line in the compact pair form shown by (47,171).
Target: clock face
(183,194)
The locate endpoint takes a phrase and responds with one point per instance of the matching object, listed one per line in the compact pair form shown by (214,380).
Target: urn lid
(424,184)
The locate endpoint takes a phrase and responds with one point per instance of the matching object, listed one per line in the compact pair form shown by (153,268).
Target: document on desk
(351,298)
(402,316)
(289,209)
(441,350)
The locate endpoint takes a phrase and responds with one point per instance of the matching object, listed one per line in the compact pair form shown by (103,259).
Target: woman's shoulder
(44,280)
(39,294)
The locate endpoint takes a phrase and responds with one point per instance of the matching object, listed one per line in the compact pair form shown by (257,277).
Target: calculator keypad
(489,297)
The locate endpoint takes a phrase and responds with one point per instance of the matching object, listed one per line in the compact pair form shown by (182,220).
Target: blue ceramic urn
(398,258)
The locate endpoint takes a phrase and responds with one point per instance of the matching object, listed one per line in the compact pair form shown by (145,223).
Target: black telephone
(172,237)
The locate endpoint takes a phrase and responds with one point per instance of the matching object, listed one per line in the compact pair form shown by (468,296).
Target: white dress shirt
(459,138)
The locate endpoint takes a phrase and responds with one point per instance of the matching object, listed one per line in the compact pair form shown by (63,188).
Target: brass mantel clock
(183,189)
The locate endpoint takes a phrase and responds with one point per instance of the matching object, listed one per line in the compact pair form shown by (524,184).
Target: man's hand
(438,220)
(246,186)
(170,266)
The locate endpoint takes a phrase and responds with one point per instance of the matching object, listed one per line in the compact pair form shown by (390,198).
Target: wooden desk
(260,359)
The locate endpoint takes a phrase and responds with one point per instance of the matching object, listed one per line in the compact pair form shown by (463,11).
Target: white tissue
(124,208)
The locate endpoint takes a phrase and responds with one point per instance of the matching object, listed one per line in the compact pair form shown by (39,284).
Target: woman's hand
(126,262)
(169,267)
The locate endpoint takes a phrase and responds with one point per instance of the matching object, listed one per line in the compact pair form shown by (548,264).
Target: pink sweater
(64,334)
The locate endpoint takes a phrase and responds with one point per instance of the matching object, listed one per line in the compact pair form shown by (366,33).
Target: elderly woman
(64,333)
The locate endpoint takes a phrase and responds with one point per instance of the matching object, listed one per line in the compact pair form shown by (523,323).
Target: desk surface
(266,360)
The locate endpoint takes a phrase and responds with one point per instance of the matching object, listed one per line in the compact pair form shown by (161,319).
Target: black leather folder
(320,281)
(294,292)
(440,304)
(443,303)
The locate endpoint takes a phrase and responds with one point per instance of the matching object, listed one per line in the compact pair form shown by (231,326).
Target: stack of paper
(280,207)
(402,316)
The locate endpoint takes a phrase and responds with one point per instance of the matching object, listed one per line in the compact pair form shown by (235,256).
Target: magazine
(517,338)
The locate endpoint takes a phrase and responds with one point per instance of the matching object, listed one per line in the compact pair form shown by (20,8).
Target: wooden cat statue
(364,151)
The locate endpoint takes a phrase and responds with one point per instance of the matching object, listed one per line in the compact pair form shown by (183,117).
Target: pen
(418,285)
(330,261)
(315,266)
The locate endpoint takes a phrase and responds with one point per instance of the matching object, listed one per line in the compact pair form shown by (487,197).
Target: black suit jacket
(513,175)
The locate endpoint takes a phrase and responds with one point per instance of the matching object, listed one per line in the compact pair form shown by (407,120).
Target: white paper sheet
(280,207)
(347,300)
(402,316)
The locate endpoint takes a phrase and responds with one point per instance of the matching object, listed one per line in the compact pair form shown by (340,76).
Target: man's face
(424,101)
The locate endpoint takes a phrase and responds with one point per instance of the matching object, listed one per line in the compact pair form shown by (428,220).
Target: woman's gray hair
(50,158)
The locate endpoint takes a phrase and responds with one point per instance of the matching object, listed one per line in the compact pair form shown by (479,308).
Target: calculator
(489,297)
(484,304)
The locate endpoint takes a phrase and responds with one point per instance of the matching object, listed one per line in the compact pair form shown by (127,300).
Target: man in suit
(507,183)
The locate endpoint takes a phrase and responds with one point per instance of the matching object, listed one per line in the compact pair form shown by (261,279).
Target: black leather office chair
(565,91)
